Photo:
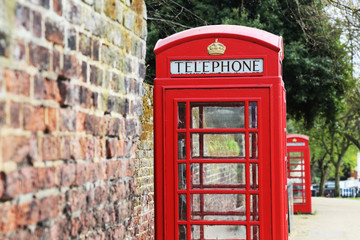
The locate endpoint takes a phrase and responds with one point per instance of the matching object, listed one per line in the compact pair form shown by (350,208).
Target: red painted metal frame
(304,151)
(241,42)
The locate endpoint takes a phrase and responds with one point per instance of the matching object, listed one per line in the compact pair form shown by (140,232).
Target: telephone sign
(220,141)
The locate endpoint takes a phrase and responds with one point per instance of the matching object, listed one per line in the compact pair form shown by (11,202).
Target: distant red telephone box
(299,171)
(220,140)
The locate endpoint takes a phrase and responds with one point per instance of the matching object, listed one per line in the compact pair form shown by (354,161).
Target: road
(332,218)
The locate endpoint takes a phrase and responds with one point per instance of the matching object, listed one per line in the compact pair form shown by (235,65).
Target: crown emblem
(216,48)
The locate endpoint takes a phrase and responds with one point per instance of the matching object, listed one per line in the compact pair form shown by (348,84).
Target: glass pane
(255,235)
(218,145)
(182,206)
(218,115)
(182,175)
(298,194)
(224,207)
(295,161)
(182,232)
(254,207)
(233,232)
(254,176)
(218,175)
(295,174)
(253,142)
(252,114)
(181,146)
(298,200)
(298,187)
(294,166)
(195,118)
(195,145)
(181,115)
(297,181)
(295,154)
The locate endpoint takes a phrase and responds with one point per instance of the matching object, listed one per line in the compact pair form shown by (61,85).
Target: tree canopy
(316,65)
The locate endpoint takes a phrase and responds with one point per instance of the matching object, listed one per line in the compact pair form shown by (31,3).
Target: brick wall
(71,74)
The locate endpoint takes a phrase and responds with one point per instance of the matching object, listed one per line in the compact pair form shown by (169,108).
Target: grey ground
(332,218)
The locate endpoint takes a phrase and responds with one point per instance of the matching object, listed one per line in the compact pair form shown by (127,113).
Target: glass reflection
(182,176)
(253,115)
(218,145)
(182,206)
(218,115)
(181,146)
(181,115)
(218,175)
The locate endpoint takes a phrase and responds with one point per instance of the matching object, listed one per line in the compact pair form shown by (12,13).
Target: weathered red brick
(84,71)
(8,220)
(59,230)
(85,97)
(90,148)
(51,148)
(22,14)
(69,93)
(17,82)
(37,26)
(71,66)
(19,52)
(12,185)
(39,56)
(67,119)
(51,90)
(80,122)
(2,184)
(82,173)
(117,191)
(113,127)
(96,75)
(58,7)
(76,227)
(100,195)
(113,169)
(51,122)
(49,179)
(67,175)
(76,199)
(49,208)
(56,61)
(96,50)
(65,148)
(2,113)
(54,32)
(16,149)
(15,114)
(87,220)
(78,148)
(85,44)
(34,118)
(27,213)
(29,180)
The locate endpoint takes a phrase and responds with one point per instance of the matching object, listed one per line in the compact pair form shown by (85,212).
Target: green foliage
(316,68)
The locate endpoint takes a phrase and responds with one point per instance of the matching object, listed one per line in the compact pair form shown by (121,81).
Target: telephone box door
(217,164)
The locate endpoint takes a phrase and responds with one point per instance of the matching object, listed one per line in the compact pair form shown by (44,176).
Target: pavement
(332,218)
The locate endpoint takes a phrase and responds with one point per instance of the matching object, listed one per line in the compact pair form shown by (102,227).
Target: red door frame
(297,143)
(219,95)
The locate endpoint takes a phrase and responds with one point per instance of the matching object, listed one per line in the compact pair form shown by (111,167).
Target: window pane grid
(248,158)
(296,172)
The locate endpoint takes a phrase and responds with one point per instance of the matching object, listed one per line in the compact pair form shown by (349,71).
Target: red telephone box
(299,171)
(220,141)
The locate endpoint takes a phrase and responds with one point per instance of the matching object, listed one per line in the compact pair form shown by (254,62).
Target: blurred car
(329,190)
(314,190)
